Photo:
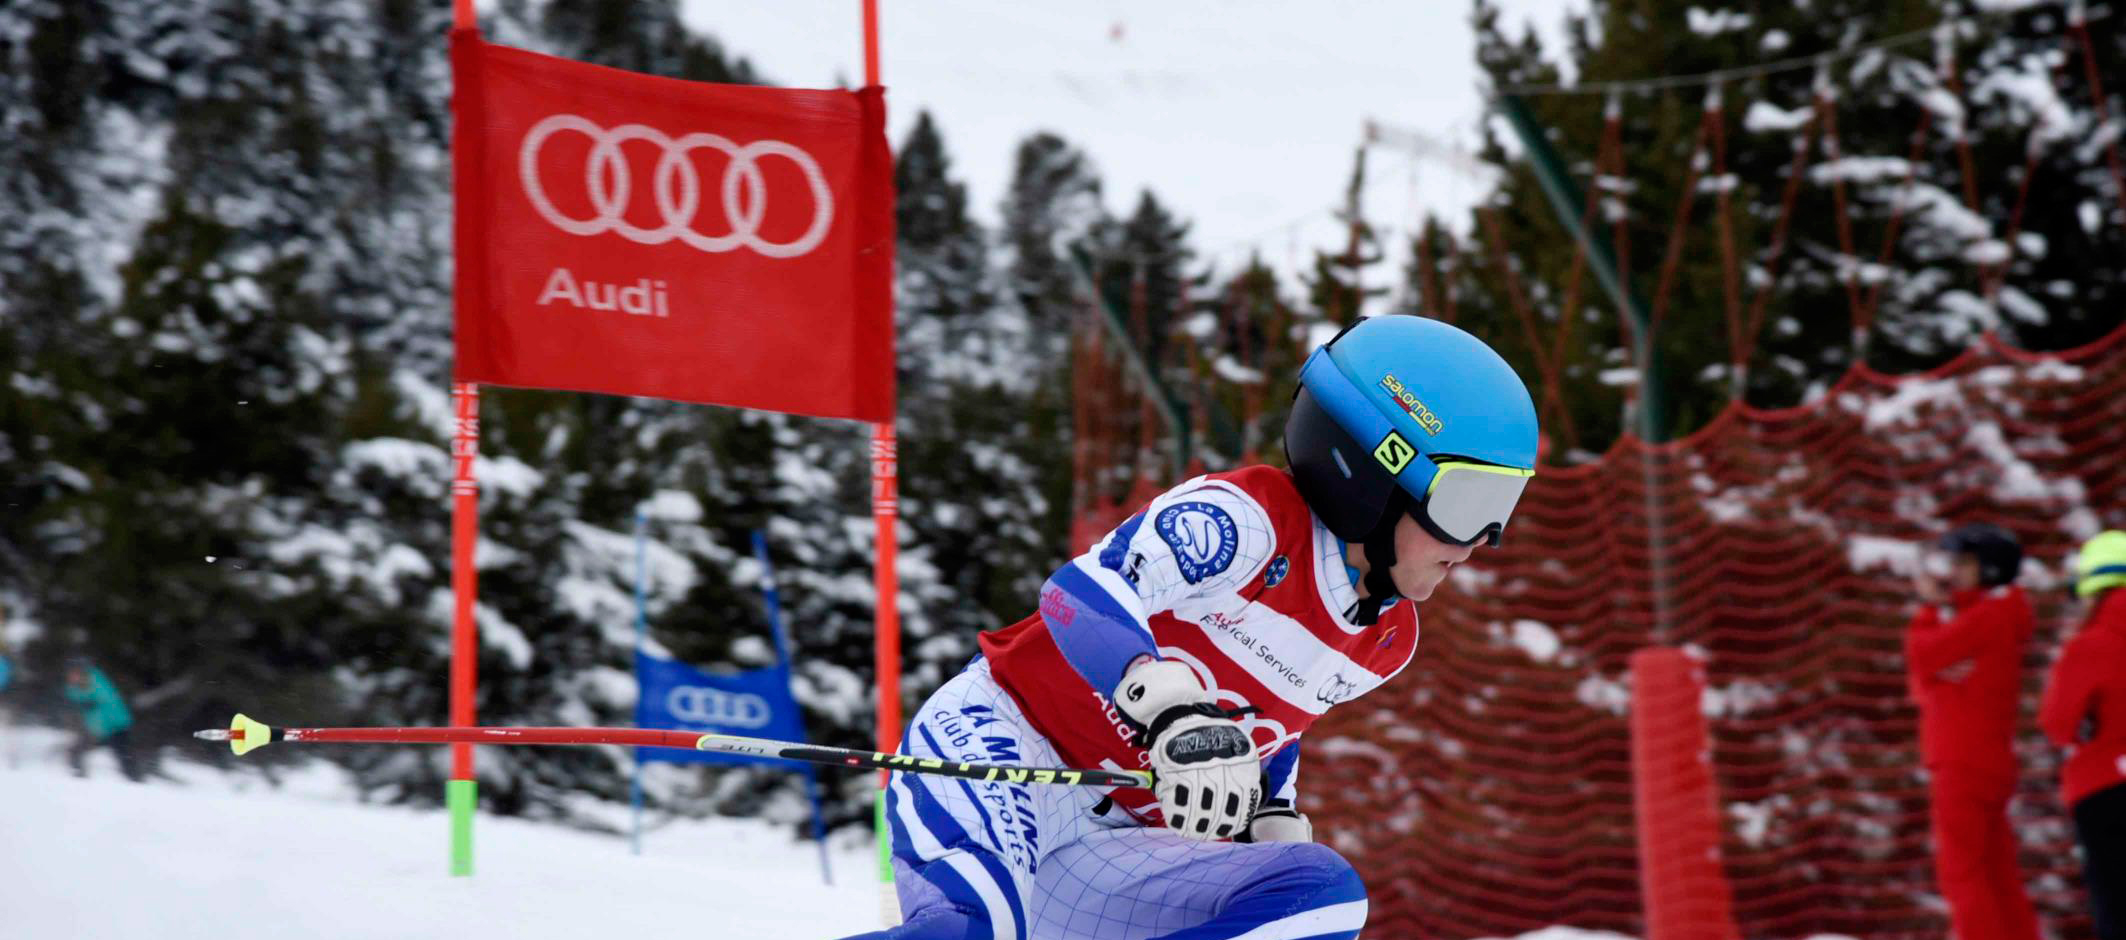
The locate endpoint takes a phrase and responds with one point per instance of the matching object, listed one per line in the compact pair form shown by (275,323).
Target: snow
(1946,108)
(507,475)
(1607,694)
(1572,933)
(412,461)
(1752,822)
(1232,371)
(429,400)
(2035,99)
(232,856)
(2021,306)
(228,857)
(1933,207)
(497,633)
(2017,481)
(1765,117)
(1536,639)
(672,506)
(2054,370)
(1859,170)
(1736,699)
(1715,22)
(1864,552)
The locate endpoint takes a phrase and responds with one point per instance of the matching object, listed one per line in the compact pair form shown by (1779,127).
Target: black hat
(1999,555)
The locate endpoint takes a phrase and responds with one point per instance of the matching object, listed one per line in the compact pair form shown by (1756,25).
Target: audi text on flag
(636,235)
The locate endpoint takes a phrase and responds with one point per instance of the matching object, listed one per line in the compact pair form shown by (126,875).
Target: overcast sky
(1242,115)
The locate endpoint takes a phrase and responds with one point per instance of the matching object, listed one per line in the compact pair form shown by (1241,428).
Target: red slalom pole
(461,791)
(885,511)
(634,737)
(886,643)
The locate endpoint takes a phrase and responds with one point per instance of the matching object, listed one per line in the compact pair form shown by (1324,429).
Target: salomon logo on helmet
(1394,453)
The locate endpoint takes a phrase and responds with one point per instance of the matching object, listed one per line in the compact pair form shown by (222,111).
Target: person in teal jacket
(7,715)
(105,720)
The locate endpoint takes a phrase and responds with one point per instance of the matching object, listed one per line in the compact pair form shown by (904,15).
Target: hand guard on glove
(1204,768)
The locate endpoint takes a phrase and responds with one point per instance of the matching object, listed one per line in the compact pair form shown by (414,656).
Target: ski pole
(246,735)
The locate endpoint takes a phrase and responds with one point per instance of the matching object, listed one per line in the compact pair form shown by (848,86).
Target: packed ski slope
(231,857)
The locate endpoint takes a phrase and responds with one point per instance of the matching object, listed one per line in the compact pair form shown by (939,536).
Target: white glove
(1204,768)
(1279,822)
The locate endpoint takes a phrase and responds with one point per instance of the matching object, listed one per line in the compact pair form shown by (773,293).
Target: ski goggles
(1468,501)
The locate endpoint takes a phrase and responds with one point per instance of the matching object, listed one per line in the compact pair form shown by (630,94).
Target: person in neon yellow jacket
(105,720)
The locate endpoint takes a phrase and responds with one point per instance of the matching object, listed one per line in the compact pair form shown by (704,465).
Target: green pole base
(889,902)
(885,839)
(462,796)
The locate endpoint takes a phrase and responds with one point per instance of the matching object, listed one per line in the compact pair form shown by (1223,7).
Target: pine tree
(1908,263)
(1141,265)
(972,446)
(1053,202)
(639,36)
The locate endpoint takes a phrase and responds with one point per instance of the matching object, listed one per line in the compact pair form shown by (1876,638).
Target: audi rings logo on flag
(676,185)
(700,705)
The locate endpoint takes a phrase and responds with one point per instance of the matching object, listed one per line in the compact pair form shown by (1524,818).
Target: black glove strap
(1145,736)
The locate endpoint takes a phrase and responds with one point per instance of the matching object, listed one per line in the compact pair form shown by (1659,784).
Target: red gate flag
(636,235)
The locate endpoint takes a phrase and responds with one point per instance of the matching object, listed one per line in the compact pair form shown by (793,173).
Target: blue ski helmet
(1386,407)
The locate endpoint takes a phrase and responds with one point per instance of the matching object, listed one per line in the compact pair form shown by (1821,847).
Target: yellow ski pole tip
(246,735)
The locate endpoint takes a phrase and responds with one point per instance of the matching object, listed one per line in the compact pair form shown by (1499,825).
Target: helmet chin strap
(1380,557)
(1380,586)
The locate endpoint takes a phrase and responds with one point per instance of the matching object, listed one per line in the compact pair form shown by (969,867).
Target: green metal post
(1118,329)
(1565,201)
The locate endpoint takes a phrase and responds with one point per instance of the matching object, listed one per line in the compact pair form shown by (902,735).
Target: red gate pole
(885,510)
(461,791)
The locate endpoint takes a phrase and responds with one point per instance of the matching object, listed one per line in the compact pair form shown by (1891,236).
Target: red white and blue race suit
(1229,573)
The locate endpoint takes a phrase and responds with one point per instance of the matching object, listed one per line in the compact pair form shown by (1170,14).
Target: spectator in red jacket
(2085,710)
(1965,664)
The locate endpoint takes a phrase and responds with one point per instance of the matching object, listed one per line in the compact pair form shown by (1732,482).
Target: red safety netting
(1488,791)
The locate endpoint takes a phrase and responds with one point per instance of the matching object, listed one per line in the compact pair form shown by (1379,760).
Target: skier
(1198,640)
(1965,672)
(2085,710)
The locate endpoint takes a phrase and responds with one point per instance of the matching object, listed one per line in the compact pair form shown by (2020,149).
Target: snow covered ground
(229,857)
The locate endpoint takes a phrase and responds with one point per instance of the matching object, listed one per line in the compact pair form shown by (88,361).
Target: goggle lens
(1467,500)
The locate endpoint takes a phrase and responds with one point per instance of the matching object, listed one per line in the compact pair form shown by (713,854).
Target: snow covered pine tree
(1200,638)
